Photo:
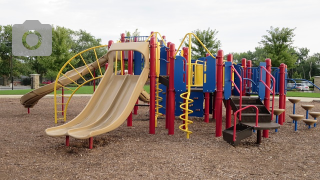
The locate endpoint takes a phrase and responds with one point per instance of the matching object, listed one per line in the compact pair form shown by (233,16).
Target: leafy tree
(18,66)
(208,38)
(277,44)
(134,33)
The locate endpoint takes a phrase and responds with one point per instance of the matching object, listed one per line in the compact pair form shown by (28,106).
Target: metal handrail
(235,119)
(273,90)
(239,90)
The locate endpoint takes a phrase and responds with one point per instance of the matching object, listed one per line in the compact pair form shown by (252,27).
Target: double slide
(113,100)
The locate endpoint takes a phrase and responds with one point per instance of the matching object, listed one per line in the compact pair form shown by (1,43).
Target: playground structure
(179,86)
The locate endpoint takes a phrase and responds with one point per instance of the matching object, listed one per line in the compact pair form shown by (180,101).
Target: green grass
(14,92)
(302,94)
(89,90)
(82,90)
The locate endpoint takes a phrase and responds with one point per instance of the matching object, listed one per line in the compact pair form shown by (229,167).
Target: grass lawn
(89,90)
(302,94)
(82,90)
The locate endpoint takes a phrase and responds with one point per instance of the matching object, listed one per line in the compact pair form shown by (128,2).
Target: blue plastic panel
(275,74)
(138,63)
(163,61)
(227,80)
(237,79)
(179,101)
(179,85)
(262,87)
(209,85)
(197,105)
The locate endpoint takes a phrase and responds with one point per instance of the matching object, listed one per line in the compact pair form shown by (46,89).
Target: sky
(240,23)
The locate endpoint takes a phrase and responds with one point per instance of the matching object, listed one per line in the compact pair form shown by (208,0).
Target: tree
(18,66)
(208,38)
(277,45)
(135,33)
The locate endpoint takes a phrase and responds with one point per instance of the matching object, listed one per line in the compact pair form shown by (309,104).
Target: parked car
(302,87)
(47,82)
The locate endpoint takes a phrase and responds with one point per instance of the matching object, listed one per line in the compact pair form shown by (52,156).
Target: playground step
(262,108)
(262,125)
(251,117)
(242,131)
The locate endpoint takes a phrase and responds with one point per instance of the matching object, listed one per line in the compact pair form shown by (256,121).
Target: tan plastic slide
(112,102)
(30,99)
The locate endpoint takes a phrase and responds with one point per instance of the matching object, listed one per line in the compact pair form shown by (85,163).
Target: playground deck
(132,153)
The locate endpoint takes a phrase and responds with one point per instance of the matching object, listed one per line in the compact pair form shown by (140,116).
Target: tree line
(65,44)
(277,45)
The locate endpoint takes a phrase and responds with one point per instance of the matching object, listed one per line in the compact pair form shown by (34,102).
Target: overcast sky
(241,23)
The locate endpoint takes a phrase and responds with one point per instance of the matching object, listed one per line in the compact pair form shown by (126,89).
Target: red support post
(228,106)
(284,94)
(122,60)
(249,70)
(171,92)
(135,109)
(281,92)
(67,140)
(206,102)
(110,42)
(62,100)
(130,67)
(90,142)
(167,90)
(153,47)
(219,93)
(244,75)
(265,133)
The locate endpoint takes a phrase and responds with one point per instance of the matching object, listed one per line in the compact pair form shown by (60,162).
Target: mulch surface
(132,153)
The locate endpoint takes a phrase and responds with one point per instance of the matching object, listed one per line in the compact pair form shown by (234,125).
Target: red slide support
(219,91)
(135,109)
(171,92)
(153,47)
(130,67)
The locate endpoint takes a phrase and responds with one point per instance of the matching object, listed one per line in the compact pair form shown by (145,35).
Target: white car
(302,87)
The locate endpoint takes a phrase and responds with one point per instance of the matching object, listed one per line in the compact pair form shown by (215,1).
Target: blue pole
(315,124)
(307,114)
(294,110)
(295,125)
(276,122)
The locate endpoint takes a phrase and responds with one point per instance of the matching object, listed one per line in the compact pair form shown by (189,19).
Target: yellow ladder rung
(60,118)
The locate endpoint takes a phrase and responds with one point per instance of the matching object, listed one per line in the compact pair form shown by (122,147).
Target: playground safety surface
(131,153)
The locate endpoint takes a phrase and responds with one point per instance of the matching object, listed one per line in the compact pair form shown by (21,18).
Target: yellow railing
(186,96)
(73,80)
